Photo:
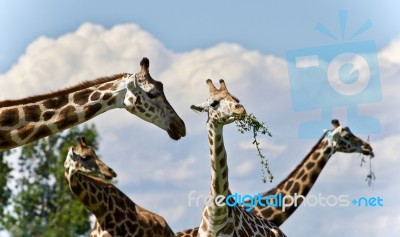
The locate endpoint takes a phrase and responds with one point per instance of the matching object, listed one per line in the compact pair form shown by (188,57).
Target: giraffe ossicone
(223,108)
(26,120)
(116,215)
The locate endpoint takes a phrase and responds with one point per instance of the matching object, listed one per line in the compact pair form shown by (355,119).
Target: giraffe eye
(214,103)
(152,95)
(85,157)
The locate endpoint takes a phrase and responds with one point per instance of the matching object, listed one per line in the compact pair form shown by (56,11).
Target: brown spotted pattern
(304,176)
(29,119)
(223,109)
(116,214)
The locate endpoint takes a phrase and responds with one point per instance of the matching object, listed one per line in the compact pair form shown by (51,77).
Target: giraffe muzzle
(177,129)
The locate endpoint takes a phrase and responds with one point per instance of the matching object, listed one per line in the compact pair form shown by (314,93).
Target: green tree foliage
(43,204)
(5,191)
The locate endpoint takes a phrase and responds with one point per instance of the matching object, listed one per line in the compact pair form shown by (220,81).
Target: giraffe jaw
(367,150)
(239,116)
(228,119)
(176,129)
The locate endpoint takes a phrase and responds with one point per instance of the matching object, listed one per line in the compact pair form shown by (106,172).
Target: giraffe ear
(72,153)
(203,107)
(81,141)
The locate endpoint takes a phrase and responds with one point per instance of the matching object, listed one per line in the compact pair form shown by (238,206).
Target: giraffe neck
(299,181)
(219,166)
(225,220)
(27,120)
(309,169)
(215,217)
(95,194)
(107,203)
(116,214)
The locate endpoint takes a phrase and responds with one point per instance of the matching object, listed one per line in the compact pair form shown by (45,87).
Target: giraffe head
(345,141)
(146,99)
(82,158)
(222,107)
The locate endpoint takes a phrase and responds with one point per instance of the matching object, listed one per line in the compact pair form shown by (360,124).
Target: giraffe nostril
(238,106)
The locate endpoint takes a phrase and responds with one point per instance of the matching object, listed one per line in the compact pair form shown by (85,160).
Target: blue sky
(46,46)
(271,27)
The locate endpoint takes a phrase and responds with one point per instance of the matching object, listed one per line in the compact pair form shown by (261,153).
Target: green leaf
(251,124)
(43,205)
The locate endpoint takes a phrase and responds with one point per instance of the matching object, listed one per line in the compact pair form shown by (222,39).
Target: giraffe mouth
(239,116)
(368,153)
(366,149)
(107,173)
(230,118)
(177,129)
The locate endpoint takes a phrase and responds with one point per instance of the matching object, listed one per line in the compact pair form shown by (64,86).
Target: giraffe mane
(316,146)
(80,86)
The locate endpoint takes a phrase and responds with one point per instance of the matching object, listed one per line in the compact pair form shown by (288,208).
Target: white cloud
(391,53)
(267,146)
(92,51)
(183,172)
(243,168)
(149,163)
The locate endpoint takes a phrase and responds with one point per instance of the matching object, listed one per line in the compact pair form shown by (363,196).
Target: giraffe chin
(175,132)
(368,153)
(240,116)
(176,129)
(109,174)
(366,149)
(100,176)
(226,120)
(235,117)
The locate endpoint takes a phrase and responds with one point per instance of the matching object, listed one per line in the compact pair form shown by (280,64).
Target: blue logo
(345,74)
(368,202)
(283,202)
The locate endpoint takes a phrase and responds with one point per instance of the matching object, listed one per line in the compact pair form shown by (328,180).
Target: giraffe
(223,220)
(302,178)
(305,174)
(116,214)
(26,120)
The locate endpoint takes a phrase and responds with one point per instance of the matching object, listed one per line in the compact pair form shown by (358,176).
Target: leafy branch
(250,124)
(371,175)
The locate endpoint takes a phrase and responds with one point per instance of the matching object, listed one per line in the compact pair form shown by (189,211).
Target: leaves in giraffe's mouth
(249,123)
(371,174)
(239,116)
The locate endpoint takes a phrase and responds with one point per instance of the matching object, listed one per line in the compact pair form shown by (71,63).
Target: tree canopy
(41,203)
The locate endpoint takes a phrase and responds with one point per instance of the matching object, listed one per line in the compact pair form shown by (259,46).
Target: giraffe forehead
(226,96)
(85,151)
(146,82)
(146,85)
